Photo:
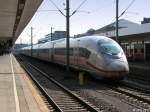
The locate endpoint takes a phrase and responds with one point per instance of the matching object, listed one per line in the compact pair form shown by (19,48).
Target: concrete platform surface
(17,93)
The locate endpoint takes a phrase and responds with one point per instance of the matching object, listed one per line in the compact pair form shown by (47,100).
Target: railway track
(140,78)
(137,97)
(140,73)
(145,88)
(61,98)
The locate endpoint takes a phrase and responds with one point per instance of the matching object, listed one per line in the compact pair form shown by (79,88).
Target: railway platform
(17,92)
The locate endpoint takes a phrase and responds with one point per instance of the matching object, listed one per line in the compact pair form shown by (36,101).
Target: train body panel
(100,55)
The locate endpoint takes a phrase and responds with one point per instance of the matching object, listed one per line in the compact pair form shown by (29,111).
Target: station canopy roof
(14,16)
(127,30)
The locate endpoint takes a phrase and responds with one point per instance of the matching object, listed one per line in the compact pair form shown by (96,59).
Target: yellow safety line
(14,86)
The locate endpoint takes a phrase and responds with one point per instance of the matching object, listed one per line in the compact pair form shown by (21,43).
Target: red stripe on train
(101,70)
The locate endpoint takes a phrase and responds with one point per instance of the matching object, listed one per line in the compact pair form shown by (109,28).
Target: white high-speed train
(99,55)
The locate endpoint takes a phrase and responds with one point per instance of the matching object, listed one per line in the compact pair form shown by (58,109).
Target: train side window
(76,53)
(60,51)
(135,50)
(64,51)
(84,52)
(71,51)
(142,50)
(87,53)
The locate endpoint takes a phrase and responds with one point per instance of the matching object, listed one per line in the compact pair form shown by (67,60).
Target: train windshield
(109,47)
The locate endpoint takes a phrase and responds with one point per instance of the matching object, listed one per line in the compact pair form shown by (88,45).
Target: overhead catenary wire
(127,8)
(27,34)
(57,8)
(113,20)
(105,6)
(88,12)
(46,10)
(78,7)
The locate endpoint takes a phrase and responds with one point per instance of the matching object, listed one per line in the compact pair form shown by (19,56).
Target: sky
(92,14)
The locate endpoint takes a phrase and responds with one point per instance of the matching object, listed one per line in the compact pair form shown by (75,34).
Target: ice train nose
(119,66)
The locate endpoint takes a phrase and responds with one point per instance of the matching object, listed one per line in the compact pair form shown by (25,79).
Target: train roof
(61,42)
(92,37)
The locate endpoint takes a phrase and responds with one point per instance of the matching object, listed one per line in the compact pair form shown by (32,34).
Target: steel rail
(77,98)
(50,100)
(133,85)
(131,95)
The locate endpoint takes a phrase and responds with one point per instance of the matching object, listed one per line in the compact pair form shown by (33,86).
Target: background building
(89,32)
(56,35)
(145,20)
(53,36)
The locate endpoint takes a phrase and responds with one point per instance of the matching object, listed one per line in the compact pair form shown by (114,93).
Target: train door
(49,52)
(52,52)
(76,53)
(147,51)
